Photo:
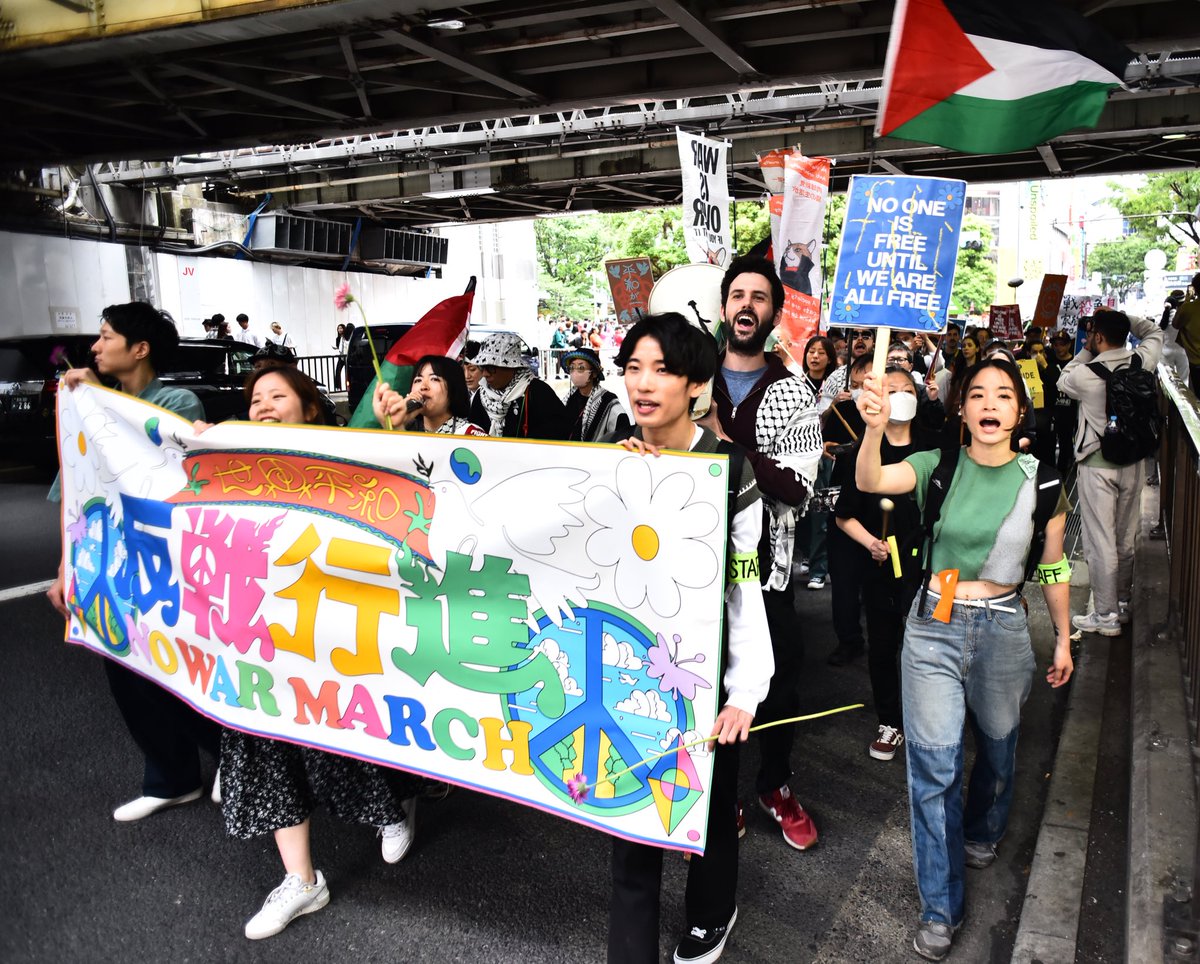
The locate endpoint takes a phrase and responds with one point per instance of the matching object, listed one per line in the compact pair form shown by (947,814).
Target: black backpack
(1049,484)
(1131,395)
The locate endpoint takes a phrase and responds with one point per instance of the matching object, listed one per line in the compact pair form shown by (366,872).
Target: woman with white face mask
(594,413)
(886,596)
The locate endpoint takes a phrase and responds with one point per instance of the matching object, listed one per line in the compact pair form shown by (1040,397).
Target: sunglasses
(862,335)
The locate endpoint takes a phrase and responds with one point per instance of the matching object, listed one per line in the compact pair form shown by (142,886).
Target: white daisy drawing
(653,535)
(80,433)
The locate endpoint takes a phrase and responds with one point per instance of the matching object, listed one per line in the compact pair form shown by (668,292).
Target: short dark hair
(1112,326)
(217,318)
(450,372)
(470,350)
(138,321)
(305,388)
(900,349)
(240,318)
(749,264)
(955,325)
(861,362)
(687,350)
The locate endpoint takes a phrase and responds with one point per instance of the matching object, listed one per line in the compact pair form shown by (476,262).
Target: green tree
(569,252)
(975,274)
(1162,207)
(1122,263)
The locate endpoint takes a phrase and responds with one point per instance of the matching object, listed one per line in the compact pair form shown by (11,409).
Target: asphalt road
(487,881)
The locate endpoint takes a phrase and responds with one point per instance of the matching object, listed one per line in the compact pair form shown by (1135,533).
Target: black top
(537,414)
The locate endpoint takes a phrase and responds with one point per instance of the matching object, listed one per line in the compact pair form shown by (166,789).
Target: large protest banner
(630,281)
(444,605)
(898,254)
(702,164)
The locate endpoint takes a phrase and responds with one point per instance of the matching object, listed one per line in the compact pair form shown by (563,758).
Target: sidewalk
(1148,723)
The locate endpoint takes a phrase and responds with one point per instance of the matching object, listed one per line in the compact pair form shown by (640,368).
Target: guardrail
(323,369)
(1179,473)
(1179,467)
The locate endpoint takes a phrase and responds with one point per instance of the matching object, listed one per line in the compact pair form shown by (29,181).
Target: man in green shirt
(134,339)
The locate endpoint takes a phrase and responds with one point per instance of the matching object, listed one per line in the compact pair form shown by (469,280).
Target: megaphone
(694,291)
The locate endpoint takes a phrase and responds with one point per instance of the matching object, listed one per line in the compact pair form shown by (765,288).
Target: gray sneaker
(979,855)
(1106,624)
(933,940)
(285,903)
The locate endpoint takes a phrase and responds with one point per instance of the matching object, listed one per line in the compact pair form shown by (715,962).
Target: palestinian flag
(442,330)
(986,77)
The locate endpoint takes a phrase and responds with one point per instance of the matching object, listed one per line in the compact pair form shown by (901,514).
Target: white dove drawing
(547,545)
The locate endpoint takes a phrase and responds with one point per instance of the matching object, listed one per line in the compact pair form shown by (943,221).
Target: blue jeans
(810,531)
(977,668)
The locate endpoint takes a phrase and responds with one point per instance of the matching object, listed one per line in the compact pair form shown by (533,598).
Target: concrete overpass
(423,113)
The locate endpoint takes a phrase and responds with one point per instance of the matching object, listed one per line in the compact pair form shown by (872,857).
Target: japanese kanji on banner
(502,615)
(630,280)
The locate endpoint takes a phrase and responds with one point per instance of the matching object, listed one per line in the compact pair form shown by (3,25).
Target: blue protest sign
(899,246)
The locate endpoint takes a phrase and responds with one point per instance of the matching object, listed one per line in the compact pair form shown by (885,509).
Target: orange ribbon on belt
(947,582)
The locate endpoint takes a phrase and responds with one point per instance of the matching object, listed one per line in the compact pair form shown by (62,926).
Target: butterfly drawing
(667,668)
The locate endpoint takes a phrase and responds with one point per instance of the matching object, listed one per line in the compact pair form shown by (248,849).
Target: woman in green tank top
(967,656)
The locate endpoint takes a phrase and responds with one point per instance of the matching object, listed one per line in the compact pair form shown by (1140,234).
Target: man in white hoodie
(1108,493)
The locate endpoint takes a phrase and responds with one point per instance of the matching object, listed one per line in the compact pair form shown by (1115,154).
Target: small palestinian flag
(986,77)
(442,330)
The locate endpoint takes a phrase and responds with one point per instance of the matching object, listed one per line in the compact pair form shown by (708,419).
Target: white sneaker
(816,582)
(398,837)
(1123,616)
(144,806)
(285,903)
(216,790)
(1093,622)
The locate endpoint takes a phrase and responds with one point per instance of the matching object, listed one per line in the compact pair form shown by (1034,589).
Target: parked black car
(215,369)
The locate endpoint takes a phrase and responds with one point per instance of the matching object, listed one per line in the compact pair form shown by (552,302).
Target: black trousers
(783,700)
(847,560)
(633,909)
(169,733)
(885,634)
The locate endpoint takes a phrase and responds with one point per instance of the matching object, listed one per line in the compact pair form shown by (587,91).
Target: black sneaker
(845,653)
(704,945)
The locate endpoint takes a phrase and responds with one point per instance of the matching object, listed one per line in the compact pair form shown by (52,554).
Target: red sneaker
(798,828)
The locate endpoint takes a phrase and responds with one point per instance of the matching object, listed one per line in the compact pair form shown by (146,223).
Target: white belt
(989,604)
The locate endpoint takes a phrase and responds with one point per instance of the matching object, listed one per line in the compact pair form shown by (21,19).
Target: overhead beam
(246,86)
(451,59)
(138,74)
(1049,158)
(702,32)
(356,79)
(890,167)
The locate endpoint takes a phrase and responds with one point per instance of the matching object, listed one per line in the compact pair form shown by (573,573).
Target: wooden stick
(842,419)
(883,338)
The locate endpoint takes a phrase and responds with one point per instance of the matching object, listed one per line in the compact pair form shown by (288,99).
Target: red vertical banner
(798,247)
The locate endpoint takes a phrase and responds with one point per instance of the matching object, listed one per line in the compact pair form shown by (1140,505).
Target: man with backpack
(1117,428)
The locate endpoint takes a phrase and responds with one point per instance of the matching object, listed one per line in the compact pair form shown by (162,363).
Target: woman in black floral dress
(271,786)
